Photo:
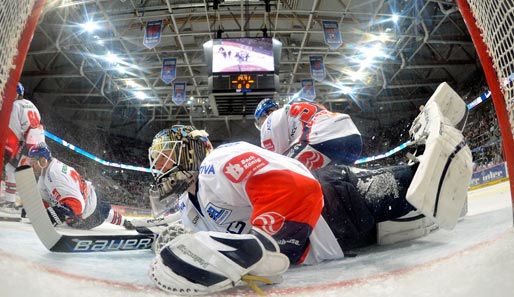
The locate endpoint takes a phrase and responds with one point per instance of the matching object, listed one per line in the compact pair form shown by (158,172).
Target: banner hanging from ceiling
(308,92)
(179,93)
(332,34)
(317,67)
(152,34)
(169,70)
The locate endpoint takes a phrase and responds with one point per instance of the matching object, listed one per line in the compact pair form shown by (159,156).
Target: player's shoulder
(244,153)
(228,150)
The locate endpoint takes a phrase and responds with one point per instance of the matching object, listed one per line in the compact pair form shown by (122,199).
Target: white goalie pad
(440,184)
(208,262)
(445,106)
(450,103)
(411,226)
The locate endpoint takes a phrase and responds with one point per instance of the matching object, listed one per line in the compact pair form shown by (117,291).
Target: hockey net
(18,19)
(491,26)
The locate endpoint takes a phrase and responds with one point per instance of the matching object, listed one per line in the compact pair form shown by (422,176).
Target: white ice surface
(474,259)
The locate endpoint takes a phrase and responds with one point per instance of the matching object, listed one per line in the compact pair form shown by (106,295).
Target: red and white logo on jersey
(268,144)
(56,194)
(311,160)
(243,166)
(270,222)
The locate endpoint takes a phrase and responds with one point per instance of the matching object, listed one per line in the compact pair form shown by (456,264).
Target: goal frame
(14,75)
(495,88)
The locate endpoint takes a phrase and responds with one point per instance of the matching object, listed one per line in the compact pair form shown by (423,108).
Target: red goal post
(18,21)
(491,26)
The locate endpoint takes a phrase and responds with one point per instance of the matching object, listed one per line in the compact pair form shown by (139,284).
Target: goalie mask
(175,154)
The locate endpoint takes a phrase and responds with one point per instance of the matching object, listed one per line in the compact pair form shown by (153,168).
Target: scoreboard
(243,83)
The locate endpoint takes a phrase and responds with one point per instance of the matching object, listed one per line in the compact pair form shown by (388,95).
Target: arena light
(140,95)
(346,90)
(395,18)
(121,69)
(90,26)
(356,75)
(133,84)
(113,58)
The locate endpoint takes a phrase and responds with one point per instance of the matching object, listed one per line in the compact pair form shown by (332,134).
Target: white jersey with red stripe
(307,122)
(24,126)
(61,183)
(24,115)
(241,185)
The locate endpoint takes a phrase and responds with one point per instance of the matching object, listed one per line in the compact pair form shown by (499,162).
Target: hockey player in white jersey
(308,132)
(264,211)
(68,198)
(25,131)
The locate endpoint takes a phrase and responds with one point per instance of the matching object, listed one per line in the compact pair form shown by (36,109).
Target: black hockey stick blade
(57,242)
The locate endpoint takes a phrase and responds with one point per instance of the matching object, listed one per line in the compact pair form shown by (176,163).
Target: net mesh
(495,19)
(13,17)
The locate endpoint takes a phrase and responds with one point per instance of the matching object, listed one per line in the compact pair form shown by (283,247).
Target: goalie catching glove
(208,262)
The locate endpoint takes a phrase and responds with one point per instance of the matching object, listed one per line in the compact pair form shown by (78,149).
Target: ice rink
(475,259)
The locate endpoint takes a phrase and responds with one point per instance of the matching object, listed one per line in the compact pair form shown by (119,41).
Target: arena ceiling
(400,50)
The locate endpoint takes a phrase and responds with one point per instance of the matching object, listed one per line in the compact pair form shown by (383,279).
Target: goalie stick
(57,242)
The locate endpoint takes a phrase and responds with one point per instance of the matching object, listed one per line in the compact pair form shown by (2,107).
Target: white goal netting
(495,19)
(13,17)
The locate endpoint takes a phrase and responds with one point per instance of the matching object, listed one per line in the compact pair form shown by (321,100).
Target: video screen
(242,55)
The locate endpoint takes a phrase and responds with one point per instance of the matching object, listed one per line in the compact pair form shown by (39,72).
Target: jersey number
(305,111)
(236,227)
(33,119)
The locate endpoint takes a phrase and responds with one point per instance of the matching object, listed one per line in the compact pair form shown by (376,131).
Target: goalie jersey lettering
(62,184)
(241,185)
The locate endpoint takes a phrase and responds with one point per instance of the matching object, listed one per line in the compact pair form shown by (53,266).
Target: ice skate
(10,207)
(439,186)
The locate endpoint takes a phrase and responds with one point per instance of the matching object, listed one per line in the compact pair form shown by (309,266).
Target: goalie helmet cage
(490,24)
(18,20)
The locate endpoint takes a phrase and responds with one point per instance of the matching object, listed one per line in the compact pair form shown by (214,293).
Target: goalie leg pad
(439,186)
(411,226)
(208,262)
(453,109)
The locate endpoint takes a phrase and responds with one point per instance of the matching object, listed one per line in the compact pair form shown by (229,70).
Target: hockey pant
(357,199)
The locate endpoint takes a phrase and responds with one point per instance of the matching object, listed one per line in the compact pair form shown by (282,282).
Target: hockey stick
(169,219)
(57,242)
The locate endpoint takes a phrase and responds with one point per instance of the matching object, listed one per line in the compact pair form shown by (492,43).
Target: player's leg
(10,203)
(357,199)
(439,187)
(445,108)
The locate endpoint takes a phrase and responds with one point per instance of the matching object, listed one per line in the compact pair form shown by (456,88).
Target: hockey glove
(60,214)
(208,262)
(167,234)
